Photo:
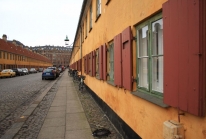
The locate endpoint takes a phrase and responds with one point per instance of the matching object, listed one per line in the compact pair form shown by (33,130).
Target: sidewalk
(74,115)
(66,117)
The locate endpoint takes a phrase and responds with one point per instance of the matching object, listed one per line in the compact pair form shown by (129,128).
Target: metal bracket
(134,38)
(134,80)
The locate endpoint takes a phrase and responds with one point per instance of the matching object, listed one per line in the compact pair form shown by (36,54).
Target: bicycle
(81,83)
(70,72)
(75,76)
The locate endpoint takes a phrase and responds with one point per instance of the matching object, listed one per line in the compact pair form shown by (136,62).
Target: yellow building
(145,63)
(13,55)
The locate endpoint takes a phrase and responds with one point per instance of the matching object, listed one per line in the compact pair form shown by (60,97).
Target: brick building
(59,55)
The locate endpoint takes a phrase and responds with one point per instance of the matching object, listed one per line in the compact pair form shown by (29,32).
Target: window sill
(111,83)
(97,18)
(97,77)
(90,29)
(150,98)
(108,2)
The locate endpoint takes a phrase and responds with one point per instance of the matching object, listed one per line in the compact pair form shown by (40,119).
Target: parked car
(7,73)
(18,71)
(60,70)
(55,70)
(25,70)
(41,69)
(49,73)
(32,70)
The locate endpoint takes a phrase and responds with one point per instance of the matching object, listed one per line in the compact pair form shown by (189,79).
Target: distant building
(13,54)
(59,55)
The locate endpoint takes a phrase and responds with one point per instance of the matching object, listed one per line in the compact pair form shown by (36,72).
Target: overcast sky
(39,22)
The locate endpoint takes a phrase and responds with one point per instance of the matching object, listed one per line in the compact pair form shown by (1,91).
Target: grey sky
(39,22)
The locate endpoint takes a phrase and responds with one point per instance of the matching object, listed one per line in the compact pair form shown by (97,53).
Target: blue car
(49,74)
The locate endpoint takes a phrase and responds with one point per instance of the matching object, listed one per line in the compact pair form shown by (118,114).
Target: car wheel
(10,76)
(42,78)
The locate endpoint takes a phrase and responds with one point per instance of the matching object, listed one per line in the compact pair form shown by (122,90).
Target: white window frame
(98,8)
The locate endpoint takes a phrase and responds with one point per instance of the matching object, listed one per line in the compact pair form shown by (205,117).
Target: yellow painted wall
(144,117)
(29,64)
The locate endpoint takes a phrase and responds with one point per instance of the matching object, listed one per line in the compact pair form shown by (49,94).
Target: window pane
(142,39)
(91,16)
(111,63)
(143,72)
(157,37)
(157,74)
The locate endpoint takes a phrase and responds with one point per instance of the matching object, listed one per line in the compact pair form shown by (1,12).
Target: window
(98,8)
(90,21)
(83,33)
(111,61)
(0,54)
(86,27)
(5,55)
(150,56)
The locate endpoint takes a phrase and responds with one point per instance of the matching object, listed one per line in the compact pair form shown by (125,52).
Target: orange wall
(145,118)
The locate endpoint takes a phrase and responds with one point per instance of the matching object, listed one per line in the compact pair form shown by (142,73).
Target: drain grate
(101,132)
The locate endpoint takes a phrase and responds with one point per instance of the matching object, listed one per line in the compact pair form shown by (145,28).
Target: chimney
(4,37)
(14,42)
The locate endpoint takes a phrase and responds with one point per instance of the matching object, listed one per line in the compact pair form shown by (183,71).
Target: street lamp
(70,46)
(66,40)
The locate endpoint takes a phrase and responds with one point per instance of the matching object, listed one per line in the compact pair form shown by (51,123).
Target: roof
(10,47)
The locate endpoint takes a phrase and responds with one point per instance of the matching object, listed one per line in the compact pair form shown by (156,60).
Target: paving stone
(57,108)
(56,114)
(52,132)
(77,134)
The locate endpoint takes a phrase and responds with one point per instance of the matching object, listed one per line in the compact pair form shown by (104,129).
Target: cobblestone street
(30,126)
(16,94)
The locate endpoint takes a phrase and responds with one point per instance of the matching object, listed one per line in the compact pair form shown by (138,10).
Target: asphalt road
(16,94)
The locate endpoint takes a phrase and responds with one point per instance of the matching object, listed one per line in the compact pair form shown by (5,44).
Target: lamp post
(66,40)
(70,46)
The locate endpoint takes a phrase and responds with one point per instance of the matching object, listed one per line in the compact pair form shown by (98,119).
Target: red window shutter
(183,59)
(101,62)
(80,65)
(118,60)
(75,65)
(87,63)
(170,62)
(104,62)
(94,63)
(90,63)
(203,56)
(127,58)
